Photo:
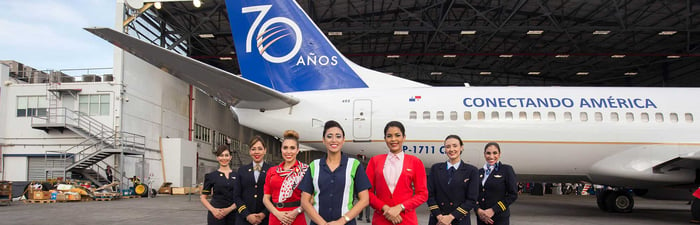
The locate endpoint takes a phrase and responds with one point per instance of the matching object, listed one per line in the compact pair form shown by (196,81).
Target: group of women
(336,188)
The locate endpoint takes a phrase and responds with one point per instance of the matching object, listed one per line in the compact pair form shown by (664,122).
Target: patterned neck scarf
(292,177)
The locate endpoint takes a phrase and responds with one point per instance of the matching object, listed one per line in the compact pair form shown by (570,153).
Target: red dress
(273,184)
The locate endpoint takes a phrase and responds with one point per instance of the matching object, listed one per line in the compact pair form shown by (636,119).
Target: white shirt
(456,165)
(257,173)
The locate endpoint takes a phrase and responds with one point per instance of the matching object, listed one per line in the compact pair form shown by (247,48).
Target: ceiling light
(505,56)
(449,56)
(667,32)
(468,32)
(617,56)
(582,73)
(534,32)
(561,56)
(631,73)
(206,35)
(158,5)
(335,33)
(197,3)
(225,58)
(401,32)
(533,73)
(673,57)
(393,56)
(601,32)
(435,73)
(484,73)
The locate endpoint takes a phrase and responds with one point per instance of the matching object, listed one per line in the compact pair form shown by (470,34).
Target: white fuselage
(616,138)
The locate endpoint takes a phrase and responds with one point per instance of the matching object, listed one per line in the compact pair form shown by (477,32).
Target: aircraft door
(362,119)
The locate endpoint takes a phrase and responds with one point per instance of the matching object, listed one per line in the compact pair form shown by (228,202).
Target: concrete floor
(178,209)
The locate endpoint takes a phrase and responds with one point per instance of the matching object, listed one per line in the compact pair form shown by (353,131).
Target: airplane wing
(234,90)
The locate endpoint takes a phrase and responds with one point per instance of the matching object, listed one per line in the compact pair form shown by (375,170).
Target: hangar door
(362,119)
(41,168)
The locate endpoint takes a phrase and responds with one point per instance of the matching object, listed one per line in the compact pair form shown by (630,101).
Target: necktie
(450,173)
(257,168)
(256,171)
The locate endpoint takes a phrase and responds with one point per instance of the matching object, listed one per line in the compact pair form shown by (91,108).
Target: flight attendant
(453,187)
(282,197)
(252,182)
(498,189)
(332,182)
(398,181)
(220,184)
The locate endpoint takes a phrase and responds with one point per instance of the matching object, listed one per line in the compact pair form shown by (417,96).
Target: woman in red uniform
(282,197)
(398,181)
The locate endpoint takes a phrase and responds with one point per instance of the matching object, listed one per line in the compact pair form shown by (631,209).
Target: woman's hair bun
(291,134)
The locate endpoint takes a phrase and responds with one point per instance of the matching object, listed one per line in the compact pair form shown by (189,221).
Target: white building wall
(15,168)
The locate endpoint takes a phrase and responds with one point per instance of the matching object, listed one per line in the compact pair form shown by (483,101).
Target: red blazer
(413,174)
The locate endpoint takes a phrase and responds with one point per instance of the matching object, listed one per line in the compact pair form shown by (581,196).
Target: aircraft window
(453,115)
(645,117)
(659,117)
(567,116)
(481,115)
(494,115)
(522,115)
(440,115)
(584,116)
(536,116)
(426,115)
(598,116)
(614,117)
(509,115)
(412,115)
(688,117)
(551,116)
(629,117)
(467,115)
(674,117)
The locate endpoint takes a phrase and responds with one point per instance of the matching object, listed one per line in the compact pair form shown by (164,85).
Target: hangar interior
(482,43)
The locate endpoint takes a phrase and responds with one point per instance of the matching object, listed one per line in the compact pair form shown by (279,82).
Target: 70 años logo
(267,31)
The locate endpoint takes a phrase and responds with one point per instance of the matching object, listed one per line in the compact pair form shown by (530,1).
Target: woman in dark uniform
(498,189)
(221,185)
(453,187)
(251,177)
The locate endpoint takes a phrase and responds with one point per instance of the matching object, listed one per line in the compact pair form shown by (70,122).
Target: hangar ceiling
(483,43)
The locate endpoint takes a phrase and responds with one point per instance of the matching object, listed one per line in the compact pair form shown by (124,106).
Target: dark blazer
(456,198)
(499,191)
(250,194)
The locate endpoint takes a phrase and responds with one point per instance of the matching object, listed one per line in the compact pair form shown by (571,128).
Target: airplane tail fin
(280,47)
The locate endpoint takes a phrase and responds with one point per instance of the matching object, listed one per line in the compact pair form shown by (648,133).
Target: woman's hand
(218,213)
(445,219)
(485,216)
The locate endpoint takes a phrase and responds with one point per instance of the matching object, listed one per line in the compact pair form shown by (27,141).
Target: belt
(286,204)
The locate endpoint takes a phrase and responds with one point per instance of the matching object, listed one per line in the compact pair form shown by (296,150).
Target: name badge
(497,176)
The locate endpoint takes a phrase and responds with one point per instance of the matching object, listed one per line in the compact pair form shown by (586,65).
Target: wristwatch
(402,207)
(299,210)
(346,218)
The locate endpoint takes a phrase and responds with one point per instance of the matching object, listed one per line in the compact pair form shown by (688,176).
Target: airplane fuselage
(614,136)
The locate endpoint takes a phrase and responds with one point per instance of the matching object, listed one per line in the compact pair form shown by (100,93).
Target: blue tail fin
(280,47)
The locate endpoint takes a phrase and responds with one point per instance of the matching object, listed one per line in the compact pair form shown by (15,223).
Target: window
(645,117)
(494,115)
(221,139)
(426,115)
(467,115)
(28,106)
(674,117)
(453,115)
(522,115)
(583,116)
(614,117)
(689,117)
(481,115)
(440,115)
(567,116)
(412,115)
(94,105)
(551,116)
(659,117)
(202,133)
(536,116)
(598,116)
(629,117)
(509,115)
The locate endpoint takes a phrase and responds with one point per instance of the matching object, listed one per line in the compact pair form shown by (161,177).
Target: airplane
(643,140)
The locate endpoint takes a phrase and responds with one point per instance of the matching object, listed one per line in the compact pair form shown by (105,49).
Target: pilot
(498,189)
(252,182)
(453,187)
